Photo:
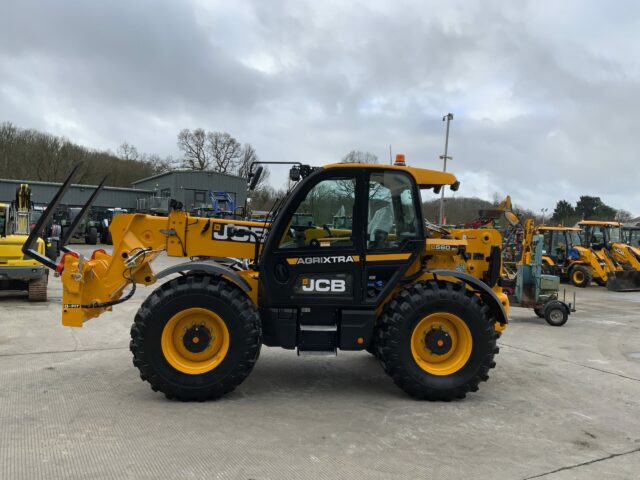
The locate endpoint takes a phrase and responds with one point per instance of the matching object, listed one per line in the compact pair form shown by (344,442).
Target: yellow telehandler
(424,299)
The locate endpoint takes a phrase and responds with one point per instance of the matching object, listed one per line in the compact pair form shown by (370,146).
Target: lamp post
(543,211)
(448,117)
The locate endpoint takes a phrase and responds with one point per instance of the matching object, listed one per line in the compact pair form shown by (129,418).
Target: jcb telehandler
(607,240)
(424,300)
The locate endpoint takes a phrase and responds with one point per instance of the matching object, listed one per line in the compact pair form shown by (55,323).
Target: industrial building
(189,187)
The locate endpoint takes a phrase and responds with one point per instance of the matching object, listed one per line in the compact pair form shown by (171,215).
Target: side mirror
(254,177)
(294,174)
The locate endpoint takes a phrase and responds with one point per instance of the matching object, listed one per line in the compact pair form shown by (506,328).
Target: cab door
(311,268)
(394,231)
(312,257)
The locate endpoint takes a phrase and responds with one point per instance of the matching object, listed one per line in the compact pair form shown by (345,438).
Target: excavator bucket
(624,281)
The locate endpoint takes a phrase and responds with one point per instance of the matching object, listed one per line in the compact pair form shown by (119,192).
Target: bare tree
(225,151)
(159,164)
(126,151)
(247,157)
(194,147)
(357,156)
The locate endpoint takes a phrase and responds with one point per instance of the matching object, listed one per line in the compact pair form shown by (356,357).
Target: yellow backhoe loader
(425,300)
(18,271)
(606,239)
(564,255)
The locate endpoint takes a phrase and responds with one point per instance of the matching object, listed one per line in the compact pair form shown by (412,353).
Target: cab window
(3,221)
(392,219)
(324,218)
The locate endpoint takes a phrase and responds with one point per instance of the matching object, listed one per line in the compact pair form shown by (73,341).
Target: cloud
(545,95)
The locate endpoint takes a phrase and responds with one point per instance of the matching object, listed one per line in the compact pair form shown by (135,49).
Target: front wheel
(580,276)
(196,338)
(436,340)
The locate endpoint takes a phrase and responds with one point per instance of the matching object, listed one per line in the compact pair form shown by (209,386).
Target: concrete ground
(562,403)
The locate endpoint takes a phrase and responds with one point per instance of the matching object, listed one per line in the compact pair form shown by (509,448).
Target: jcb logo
(221,232)
(324,285)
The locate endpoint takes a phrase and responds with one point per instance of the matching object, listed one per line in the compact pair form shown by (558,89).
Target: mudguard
(207,266)
(487,294)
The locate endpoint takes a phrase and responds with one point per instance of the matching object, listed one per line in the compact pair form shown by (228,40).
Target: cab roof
(424,177)
(606,223)
(558,228)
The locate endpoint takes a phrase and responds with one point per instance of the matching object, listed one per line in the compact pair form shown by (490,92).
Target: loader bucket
(624,281)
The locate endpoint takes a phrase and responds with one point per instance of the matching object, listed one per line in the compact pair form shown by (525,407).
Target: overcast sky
(545,94)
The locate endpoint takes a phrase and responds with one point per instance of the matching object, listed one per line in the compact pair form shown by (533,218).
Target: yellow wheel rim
(578,276)
(195,341)
(432,330)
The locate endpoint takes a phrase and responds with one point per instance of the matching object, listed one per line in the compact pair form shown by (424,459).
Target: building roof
(209,172)
(73,185)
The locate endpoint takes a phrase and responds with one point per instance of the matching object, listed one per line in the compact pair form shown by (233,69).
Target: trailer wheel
(436,340)
(580,276)
(196,337)
(539,312)
(555,313)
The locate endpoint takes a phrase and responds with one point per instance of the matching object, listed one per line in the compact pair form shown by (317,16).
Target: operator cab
(599,235)
(558,242)
(339,244)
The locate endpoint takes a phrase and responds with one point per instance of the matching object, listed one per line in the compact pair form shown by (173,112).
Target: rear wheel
(105,238)
(52,250)
(580,276)
(436,341)
(196,338)
(92,236)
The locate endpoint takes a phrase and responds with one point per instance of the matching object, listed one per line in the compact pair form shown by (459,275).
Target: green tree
(564,213)
(587,207)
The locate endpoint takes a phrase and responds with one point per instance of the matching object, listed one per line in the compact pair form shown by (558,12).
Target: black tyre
(52,250)
(92,236)
(436,340)
(580,276)
(600,282)
(539,312)
(196,337)
(555,313)
(106,239)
